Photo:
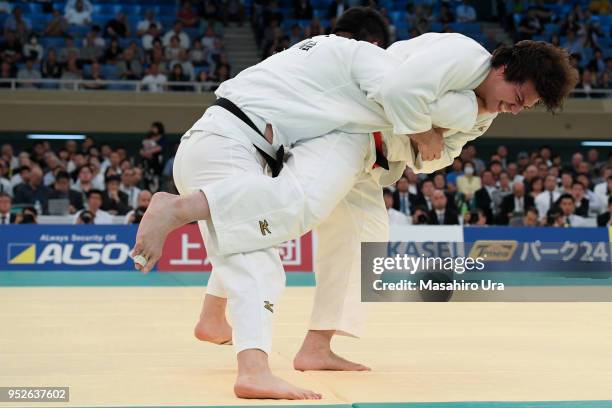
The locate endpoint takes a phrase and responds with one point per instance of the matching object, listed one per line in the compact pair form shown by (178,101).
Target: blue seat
(49,42)
(78,31)
(108,71)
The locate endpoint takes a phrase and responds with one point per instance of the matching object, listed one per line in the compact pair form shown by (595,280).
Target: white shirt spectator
(465,13)
(144,25)
(578,221)
(132,193)
(5,186)
(596,205)
(102,217)
(397,218)
(601,190)
(183,39)
(543,200)
(155,83)
(81,18)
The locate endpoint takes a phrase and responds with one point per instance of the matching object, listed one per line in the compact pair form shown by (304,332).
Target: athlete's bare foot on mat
(255,380)
(165,213)
(213,326)
(316,354)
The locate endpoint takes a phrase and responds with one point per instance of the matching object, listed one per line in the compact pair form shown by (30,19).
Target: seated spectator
(61,189)
(143,201)
(72,73)
(603,220)
(94,75)
(18,24)
(5,209)
(7,154)
(574,44)
(476,217)
(581,203)
(186,65)
(154,81)
(440,214)
(28,215)
(78,12)
(94,214)
(424,196)
(113,53)
(221,73)
(28,72)
(129,66)
(536,186)
(177,75)
(420,216)
(204,78)
(5,184)
(198,54)
(117,27)
(488,197)
(547,198)
(21,175)
(33,191)
(6,72)
(32,49)
(149,36)
(395,217)
(129,187)
(143,25)
(177,30)
(515,204)
(50,67)
(90,50)
(187,15)
(313,29)
(11,48)
(156,56)
(115,201)
(173,50)
(468,183)
(302,10)
(69,49)
(57,26)
(530,219)
(568,217)
(604,189)
(403,200)
(209,10)
(465,12)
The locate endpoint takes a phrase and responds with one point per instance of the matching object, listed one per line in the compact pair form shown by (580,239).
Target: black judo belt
(275,163)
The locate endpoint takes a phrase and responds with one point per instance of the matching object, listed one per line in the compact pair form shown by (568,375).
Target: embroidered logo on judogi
(263,226)
(268,306)
(308,45)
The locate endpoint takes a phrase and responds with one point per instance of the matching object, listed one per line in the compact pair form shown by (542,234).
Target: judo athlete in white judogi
(310,90)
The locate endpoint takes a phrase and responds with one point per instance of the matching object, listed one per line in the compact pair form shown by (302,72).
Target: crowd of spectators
(73,44)
(535,189)
(94,183)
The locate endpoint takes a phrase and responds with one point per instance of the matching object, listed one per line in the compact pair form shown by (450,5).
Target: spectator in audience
(11,49)
(28,73)
(18,24)
(440,214)
(57,26)
(177,30)
(8,155)
(61,189)
(93,214)
(603,220)
(129,188)
(424,196)
(117,27)
(198,54)
(21,175)
(204,78)
(173,50)
(5,184)
(151,157)
(530,219)
(32,191)
(115,201)
(177,75)
(567,206)
(154,81)
(32,49)
(113,53)
(78,12)
(233,10)
(143,25)
(142,203)
(567,180)
(581,204)
(90,51)
(465,12)
(515,204)
(445,16)
(420,215)
(476,217)
(28,215)
(96,76)
(68,50)
(468,183)
(302,10)
(488,196)
(72,72)
(536,186)
(604,189)
(129,66)
(50,67)
(186,64)
(149,36)
(6,72)
(187,15)
(403,200)
(5,209)
(574,44)
(547,198)
(395,217)
(156,56)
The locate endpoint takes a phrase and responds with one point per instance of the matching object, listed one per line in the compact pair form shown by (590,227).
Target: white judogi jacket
(331,83)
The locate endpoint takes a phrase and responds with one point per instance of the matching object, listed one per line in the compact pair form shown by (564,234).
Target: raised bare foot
(267,385)
(217,331)
(309,360)
(161,217)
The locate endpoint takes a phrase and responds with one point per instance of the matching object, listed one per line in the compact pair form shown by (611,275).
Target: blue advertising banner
(573,251)
(66,247)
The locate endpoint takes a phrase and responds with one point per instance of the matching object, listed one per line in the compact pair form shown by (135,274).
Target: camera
(138,214)
(87,217)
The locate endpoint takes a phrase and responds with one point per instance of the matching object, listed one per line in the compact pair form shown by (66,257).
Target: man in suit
(547,198)
(515,204)
(605,219)
(567,205)
(61,189)
(581,202)
(115,201)
(403,200)
(486,196)
(440,214)
(5,210)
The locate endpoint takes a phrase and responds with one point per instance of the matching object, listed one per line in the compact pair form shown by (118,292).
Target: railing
(199,87)
(102,85)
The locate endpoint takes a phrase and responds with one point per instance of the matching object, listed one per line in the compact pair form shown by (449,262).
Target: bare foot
(309,360)
(217,331)
(267,385)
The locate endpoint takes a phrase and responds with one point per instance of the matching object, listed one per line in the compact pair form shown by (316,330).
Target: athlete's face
(502,96)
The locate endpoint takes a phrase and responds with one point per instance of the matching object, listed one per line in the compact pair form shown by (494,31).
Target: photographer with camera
(28,215)
(98,216)
(134,216)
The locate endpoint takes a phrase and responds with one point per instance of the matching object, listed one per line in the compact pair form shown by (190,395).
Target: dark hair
(532,210)
(95,191)
(113,177)
(363,24)
(62,175)
(566,196)
(547,66)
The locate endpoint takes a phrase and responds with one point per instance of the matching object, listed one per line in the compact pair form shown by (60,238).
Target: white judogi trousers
(325,184)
